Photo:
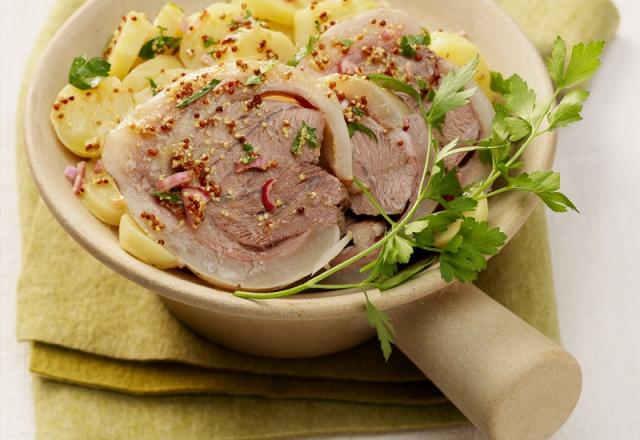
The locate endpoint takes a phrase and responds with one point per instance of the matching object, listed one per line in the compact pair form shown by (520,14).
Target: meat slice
(305,197)
(365,233)
(387,165)
(193,174)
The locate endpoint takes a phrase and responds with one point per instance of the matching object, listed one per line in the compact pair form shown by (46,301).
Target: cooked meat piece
(305,197)
(258,213)
(387,165)
(365,233)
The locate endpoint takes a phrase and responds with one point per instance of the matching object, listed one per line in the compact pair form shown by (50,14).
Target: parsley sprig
(159,45)
(304,51)
(199,94)
(87,74)
(520,119)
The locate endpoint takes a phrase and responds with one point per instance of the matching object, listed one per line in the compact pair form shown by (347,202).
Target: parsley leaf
(306,136)
(207,41)
(443,183)
(451,93)
(249,154)
(256,79)
(585,60)
(521,100)
(357,126)
(173,197)
(159,45)
(568,110)
(389,82)
(499,84)
(408,43)
(199,94)
(545,184)
(87,74)
(304,51)
(423,231)
(153,85)
(465,256)
(346,43)
(380,321)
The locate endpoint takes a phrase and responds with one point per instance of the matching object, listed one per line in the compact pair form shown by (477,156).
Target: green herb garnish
(381,322)
(199,94)
(306,136)
(304,51)
(249,154)
(159,45)
(357,126)
(409,43)
(346,43)
(87,74)
(256,79)
(173,197)
(207,41)
(153,85)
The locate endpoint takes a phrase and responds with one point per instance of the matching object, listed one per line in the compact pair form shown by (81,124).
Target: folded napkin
(100,331)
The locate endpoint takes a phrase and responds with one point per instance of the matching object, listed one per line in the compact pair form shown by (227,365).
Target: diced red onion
(79,178)
(70,172)
(184,25)
(266,195)
(174,180)
(410,71)
(207,59)
(259,164)
(387,35)
(98,167)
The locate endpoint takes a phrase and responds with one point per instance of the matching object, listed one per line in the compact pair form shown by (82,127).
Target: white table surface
(595,253)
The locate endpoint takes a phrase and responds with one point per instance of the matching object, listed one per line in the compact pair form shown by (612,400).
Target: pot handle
(511,381)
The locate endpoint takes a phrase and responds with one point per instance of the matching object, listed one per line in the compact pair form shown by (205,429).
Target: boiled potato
(287,30)
(279,11)
(261,44)
(212,24)
(480,214)
(305,19)
(155,68)
(162,80)
(170,18)
(83,118)
(134,240)
(101,196)
(134,30)
(458,50)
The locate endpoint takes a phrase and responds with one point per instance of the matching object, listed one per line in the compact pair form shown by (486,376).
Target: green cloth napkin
(100,331)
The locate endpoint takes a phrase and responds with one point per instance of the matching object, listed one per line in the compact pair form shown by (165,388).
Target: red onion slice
(79,178)
(174,180)
(266,195)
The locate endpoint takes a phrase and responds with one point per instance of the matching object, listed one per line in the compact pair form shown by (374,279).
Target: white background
(595,254)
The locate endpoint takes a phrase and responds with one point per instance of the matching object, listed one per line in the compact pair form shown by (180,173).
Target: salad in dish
(274,147)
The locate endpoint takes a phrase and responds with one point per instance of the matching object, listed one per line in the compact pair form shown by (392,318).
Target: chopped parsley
(409,43)
(256,78)
(306,136)
(249,154)
(172,197)
(154,86)
(87,74)
(304,51)
(346,43)
(199,94)
(357,126)
(159,45)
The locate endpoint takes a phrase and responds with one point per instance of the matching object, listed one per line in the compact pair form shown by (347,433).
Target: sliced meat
(213,154)
(304,196)
(387,165)
(365,233)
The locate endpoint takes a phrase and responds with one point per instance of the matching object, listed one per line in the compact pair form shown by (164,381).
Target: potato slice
(261,44)
(279,11)
(101,196)
(138,78)
(212,24)
(480,213)
(81,119)
(170,18)
(305,19)
(134,240)
(459,51)
(287,30)
(162,80)
(134,30)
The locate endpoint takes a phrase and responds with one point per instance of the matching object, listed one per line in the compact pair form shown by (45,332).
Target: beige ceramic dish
(511,381)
